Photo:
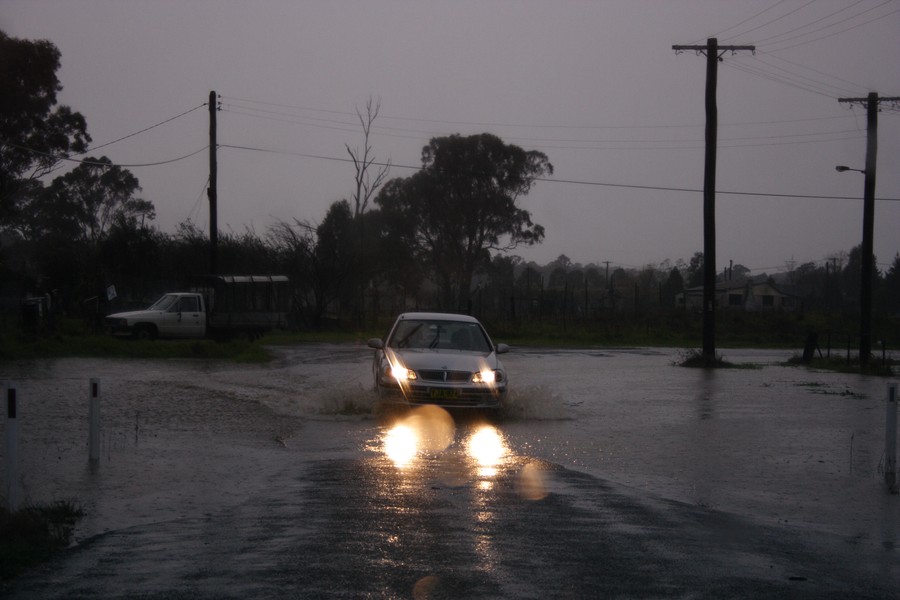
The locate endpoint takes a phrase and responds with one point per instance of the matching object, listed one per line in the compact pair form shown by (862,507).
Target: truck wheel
(145,332)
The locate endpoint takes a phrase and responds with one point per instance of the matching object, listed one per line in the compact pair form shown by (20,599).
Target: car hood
(448,360)
(132,314)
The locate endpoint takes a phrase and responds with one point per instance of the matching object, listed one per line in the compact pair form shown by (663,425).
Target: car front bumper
(447,397)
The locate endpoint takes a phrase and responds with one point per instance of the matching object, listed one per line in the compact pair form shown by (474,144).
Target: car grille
(441,375)
(421,395)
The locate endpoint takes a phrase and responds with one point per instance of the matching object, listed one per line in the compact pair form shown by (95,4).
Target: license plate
(444,394)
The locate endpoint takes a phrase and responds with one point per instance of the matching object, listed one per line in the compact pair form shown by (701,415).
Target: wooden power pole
(871,102)
(212,191)
(713,53)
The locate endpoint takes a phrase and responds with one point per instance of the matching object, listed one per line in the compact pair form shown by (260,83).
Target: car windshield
(439,335)
(164,303)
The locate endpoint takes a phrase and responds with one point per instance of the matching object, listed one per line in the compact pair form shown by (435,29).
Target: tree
(84,203)
(673,286)
(892,287)
(462,205)
(367,182)
(318,258)
(34,133)
(695,271)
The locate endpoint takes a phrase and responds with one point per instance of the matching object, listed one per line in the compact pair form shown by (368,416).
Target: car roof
(436,316)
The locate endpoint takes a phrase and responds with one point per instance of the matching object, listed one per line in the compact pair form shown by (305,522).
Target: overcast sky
(595,85)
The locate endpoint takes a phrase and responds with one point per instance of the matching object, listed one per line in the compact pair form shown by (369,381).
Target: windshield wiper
(401,343)
(437,338)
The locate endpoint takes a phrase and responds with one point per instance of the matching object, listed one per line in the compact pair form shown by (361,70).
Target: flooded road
(609,473)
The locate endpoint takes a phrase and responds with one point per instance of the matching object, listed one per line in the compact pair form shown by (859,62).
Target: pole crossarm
(894,101)
(722,49)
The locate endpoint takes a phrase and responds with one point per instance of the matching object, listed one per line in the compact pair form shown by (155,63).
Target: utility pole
(212,192)
(713,53)
(871,102)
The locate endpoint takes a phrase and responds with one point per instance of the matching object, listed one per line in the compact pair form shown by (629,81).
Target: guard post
(890,440)
(12,447)
(94,420)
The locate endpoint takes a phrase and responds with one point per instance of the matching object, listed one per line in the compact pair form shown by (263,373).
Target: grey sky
(594,85)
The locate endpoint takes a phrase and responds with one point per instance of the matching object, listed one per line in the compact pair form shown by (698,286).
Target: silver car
(443,359)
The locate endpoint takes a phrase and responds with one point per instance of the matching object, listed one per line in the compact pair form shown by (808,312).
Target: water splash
(534,403)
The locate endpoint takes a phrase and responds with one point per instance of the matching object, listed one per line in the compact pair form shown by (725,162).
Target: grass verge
(695,359)
(73,340)
(33,534)
(878,367)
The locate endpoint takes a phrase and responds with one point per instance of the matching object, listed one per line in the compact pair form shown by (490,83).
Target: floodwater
(202,462)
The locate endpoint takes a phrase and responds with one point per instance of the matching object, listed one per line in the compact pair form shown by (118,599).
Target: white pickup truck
(228,305)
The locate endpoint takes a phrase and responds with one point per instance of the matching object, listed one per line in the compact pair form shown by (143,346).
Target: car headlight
(401,373)
(487,376)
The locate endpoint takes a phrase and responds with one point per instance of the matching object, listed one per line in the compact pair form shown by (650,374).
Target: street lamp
(868,259)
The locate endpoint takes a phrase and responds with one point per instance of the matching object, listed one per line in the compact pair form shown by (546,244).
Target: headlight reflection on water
(487,449)
(400,445)
(427,429)
(431,430)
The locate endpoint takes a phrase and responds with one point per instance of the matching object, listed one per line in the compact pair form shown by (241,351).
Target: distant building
(746,295)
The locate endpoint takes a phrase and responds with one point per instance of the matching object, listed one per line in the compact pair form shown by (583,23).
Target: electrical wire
(829,35)
(748,19)
(767,23)
(780,79)
(857,86)
(197,201)
(595,144)
(574,181)
(59,157)
(130,135)
(784,34)
(804,79)
(580,127)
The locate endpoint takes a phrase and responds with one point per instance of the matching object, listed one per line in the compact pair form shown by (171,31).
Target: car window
(439,335)
(189,304)
(164,303)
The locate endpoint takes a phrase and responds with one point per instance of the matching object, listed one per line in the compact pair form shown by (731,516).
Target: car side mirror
(502,348)
(375,343)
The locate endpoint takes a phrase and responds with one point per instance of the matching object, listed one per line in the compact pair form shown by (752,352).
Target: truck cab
(173,315)
(220,306)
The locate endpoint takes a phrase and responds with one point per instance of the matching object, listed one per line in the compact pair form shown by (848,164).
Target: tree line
(442,238)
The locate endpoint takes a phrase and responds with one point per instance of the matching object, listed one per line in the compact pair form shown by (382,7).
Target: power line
(748,19)
(781,58)
(588,144)
(130,135)
(580,127)
(799,8)
(774,39)
(780,79)
(845,30)
(572,181)
(59,157)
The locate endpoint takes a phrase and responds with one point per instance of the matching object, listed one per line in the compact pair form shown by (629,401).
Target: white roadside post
(94,420)
(12,447)
(890,440)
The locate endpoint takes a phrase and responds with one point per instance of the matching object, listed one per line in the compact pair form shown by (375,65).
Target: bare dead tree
(367,181)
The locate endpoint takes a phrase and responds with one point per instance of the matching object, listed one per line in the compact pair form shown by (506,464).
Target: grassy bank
(33,534)
(71,339)
(678,329)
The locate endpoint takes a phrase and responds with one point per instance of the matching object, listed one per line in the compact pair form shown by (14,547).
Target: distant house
(746,295)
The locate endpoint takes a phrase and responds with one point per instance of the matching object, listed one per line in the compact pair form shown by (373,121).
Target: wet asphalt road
(362,528)
(222,497)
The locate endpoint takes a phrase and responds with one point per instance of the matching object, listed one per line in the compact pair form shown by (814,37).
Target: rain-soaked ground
(610,473)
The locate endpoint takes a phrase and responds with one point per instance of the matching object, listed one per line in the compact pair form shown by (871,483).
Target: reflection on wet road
(610,474)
